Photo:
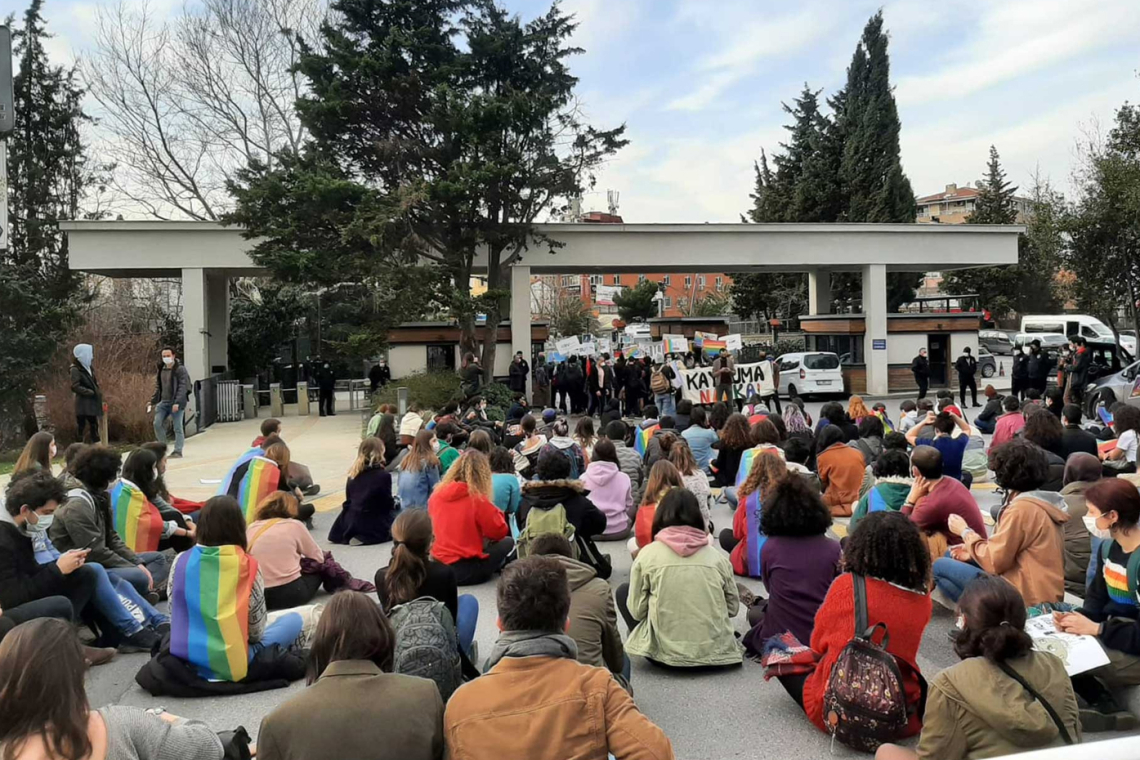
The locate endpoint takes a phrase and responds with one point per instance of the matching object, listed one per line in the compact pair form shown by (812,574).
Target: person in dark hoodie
(987,418)
(653,449)
(1078,369)
(1039,367)
(171,396)
(554,487)
(682,419)
(920,368)
(88,396)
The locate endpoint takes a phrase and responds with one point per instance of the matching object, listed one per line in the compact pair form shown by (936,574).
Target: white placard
(568,346)
(587,349)
(1079,653)
(604,345)
(698,385)
(733,342)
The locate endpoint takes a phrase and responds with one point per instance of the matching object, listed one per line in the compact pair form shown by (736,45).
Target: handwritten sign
(568,346)
(699,386)
(734,342)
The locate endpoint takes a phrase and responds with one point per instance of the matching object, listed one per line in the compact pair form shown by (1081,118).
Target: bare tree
(184,103)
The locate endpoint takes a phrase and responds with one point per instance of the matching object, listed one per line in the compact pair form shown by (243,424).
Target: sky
(699,85)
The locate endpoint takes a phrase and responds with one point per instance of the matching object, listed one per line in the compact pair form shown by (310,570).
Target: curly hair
(892,463)
(767,470)
(1043,428)
(887,546)
(765,432)
(736,433)
(473,469)
(856,409)
(791,508)
(97,466)
(1125,417)
(1019,466)
(994,612)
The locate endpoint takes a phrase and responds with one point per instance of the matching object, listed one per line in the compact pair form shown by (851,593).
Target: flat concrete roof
(155,248)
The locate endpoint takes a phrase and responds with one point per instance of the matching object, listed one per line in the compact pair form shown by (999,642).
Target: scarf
(531,644)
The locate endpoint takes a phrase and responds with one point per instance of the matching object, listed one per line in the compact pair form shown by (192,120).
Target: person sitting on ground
(66,476)
(85,521)
(797,453)
(934,499)
(870,440)
(1009,424)
(628,459)
(419,472)
(506,490)
(271,426)
(296,473)
(946,403)
(584,436)
(718,416)
(552,488)
(857,411)
(354,701)
(279,541)
(663,477)
(841,470)
(1055,401)
(610,490)
(519,407)
(1044,431)
(908,416)
(535,696)
(700,437)
(888,552)
(987,418)
(561,443)
(693,477)
(937,430)
(49,716)
(767,470)
(735,439)
(1110,611)
(611,414)
(683,419)
(471,534)
(1027,546)
(893,483)
(219,567)
(1082,472)
(250,489)
(653,449)
(834,414)
(163,499)
(480,440)
(681,596)
(1074,438)
(38,454)
(798,563)
(593,616)
(445,434)
(796,424)
(983,706)
(383,426)
(368,511)
(411,573)
(410,424)
(1126,426)
(140,475)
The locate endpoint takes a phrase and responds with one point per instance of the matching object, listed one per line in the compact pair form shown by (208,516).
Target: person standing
(171,394)
(967,367)
(1078,369)
(769,382)
(518,371)
(326,385)
(1020,373)
(724,371)
(380,374)
(541,383)
(1040,365)
(920,367)
(88,396)
(602,384)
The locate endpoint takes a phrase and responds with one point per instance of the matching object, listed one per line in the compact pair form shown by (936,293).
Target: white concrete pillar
(218,320)
(195,310)
(819,291)
(520,315)
(875,320)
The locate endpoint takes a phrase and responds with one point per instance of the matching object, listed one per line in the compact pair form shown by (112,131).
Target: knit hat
(411,424)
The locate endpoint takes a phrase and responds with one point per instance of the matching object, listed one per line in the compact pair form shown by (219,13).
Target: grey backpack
(427,643)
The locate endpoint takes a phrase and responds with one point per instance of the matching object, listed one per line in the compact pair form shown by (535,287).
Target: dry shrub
(125,366)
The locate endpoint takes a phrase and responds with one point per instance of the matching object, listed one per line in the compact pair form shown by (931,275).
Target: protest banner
(588,349)
(698,385)
(604,295)
(675,344)
(699,338)
(568,346)
(734,342)
(604,345)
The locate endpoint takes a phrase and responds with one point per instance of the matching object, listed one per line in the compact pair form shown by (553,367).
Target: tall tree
(49,177)
(995,203)
(441,131)
(638,302)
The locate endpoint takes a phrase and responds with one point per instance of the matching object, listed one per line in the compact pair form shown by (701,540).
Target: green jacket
(894,491)
(685,605)
(447,455)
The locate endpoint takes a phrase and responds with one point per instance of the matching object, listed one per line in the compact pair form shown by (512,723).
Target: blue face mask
(42,525)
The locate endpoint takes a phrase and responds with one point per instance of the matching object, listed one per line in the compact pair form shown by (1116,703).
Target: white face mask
(1093,529)
(168,360)
(961,623)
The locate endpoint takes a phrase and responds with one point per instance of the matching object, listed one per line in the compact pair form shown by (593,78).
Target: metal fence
(229,401)
(205,393)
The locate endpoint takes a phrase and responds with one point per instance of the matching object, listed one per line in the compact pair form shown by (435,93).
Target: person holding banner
(724,371)
(769,382)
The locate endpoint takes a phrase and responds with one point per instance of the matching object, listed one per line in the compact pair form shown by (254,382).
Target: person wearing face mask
(380,374)
(1040,366)
(326,385)
(171,395)
(1111,606)
(1019,374)
(920,368)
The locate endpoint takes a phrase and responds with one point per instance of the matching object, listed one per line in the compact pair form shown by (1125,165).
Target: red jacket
(740,533)
(906,614)
(461,521)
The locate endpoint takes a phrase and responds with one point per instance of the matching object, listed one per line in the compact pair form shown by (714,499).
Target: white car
(809,372)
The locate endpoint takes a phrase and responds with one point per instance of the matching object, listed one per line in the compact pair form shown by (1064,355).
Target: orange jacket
(841,471)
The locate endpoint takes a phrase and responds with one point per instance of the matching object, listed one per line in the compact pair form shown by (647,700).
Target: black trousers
(86,420)
(794,685)
(621,598)
(964,383)
(326,402)
(923,384)
(48,607)
(769,400)
(471,572)
(294,593)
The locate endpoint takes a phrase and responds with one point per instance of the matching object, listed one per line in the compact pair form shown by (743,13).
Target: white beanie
(411,424)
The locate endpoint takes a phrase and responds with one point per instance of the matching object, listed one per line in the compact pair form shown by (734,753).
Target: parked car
(810,372)
(1075,324)
(997,341)
(987,364)
(1122,385)
(1049,341)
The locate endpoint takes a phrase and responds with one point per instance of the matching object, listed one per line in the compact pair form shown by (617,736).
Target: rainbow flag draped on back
(261,479)
(756,537)
(224,488)
(641,439)
(749,456)
(137,521)
(209,612)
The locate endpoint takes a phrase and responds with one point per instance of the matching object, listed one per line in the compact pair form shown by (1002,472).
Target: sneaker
(312,490)
(98,655)
(162,629)
(176,455)
(152,598)
(1094,721)
(139,641)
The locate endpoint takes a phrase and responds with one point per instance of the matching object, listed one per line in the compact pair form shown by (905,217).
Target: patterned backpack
(427,644)
(864,704)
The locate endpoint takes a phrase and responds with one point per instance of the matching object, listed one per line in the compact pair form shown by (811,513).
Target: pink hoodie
(683,540)
(609,490)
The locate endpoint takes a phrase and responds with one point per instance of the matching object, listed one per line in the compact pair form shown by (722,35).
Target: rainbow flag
(641,439)
(261,478)
(749,457)
(209,611)
(224,488)
(137,521)
(756,537)
(712,347)
(887,426)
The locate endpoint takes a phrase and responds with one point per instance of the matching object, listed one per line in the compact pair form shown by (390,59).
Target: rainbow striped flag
(224,488)
(137,521)
(261,479)
(209,611)
(641,439)
(756,537)
(749,457)
(712,347)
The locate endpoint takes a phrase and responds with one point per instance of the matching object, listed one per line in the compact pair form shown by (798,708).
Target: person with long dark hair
(140,473)
(997,700)
(48,716)
(166,502)
(354,702)
(735,439)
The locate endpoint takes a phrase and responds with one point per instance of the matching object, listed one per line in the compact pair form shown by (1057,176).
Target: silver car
(1120,386)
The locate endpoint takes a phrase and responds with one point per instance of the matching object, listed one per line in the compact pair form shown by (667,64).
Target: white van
(1074,324)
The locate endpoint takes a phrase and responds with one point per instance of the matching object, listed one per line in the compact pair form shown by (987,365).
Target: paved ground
(708,717)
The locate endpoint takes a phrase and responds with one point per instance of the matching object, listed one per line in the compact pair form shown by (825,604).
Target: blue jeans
(115,599)
(154,562)
(951,576)
(161,412)
(986,426)
(627,668)
(284,631)
(666,405)
(468,617)
(730,496)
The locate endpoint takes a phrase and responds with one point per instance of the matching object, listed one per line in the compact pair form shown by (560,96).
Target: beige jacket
(1027,548)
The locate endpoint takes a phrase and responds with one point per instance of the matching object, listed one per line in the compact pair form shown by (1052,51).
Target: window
(848,347)
(719,282)
(617,279)
(666,279)
(688,281)
(668,302)
(595,279)
(440,357)
(700,281)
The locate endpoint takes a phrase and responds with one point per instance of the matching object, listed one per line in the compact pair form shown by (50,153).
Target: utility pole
(7,123)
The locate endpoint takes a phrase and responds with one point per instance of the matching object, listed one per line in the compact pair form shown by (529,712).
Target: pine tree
(994,204)
(48,178)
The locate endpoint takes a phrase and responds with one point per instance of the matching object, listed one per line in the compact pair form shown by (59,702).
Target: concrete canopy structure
(206,255)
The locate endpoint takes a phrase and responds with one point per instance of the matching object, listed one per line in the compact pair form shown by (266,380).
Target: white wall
(903,347)
(960,340)
(407,360)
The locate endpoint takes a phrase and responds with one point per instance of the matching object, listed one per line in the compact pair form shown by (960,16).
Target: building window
(440,357)
(719,282)
(595,279)
(688,281)
(668,302)
(617,279)
(701,281)
(667,279)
